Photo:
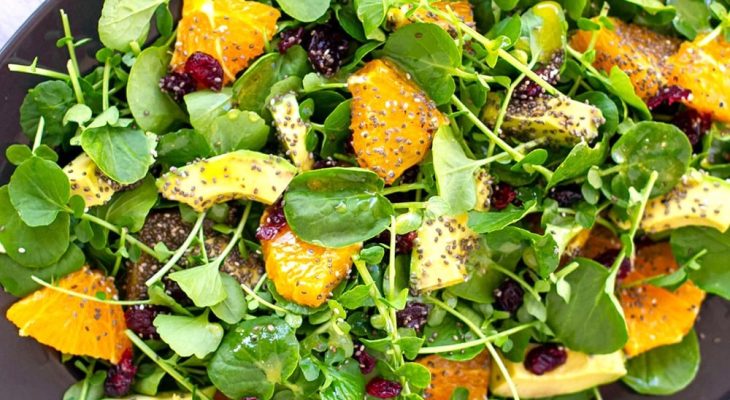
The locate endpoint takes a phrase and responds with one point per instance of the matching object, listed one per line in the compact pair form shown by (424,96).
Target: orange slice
(393,120)
(72,325)
(657,316)
(397,17)
(233,31)
(447,376)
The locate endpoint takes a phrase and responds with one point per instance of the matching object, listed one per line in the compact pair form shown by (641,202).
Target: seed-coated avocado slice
(440,252)
(698,199)
(292,130)
(484,190)
(89,182)
(241,174)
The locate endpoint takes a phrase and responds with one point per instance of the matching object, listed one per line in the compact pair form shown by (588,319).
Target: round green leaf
(126,21)
(123,154)
(39,190)
(304,11)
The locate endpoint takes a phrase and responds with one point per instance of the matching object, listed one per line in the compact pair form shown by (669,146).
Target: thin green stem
(69,41)
(122,244)
(597,393)
(85,386)
(75,82)
(517,279)
(39,133)
(105,85)
(85,296)
(178,253)
(410,204)
(514,154)
(261,300)
(33,70)
(403,188)
(236,235)
(131,239)
(473,343)
(711,36)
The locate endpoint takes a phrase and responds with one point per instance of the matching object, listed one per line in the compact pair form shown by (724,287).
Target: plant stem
(85,386)
(179,252)
(105,85)
(75,82)
(403,188)
(122,244)
(131,239)
(514,154)
(69,41)
(473,343)
(410,204)
(236,235)
(260,299)
(39,133)
(517,279)
(85,296)
(33,70)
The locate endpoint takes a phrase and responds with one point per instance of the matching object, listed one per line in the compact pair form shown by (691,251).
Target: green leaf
(39,190)
(665,370)
(608,108)
(336,207)
(304,11)
(336,130)
(16,278)
(347,17)
(347,382)
(580,159)
(713,275)
(202,284)
(94,388)
(181,147)
(188,336)
(123,154)
(50,100)
(129,209)
(592,322)
(125,21)
(482,279)
(693,17)
(372,15)
(545,26)
(152,109)
(620,84)
(357,297)
(16,154)
(454,172)
(451,331)
(487,222)
(254,357)
(652,146)
(148,378)
(233,308)
(78,113)
(21,241)
(205,106)
(237,130)
(429,54)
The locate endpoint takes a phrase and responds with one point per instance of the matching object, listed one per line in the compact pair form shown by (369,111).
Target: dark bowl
(29,370)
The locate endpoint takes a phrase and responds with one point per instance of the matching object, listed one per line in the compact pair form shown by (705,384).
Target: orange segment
(393,120)
(656,316)
(233,31)
(638,51)
(703,70)
(72,325)
(305,273)
(447,376)
(398,17)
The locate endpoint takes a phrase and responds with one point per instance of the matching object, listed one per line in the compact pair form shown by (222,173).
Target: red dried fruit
(275,220)
(290,38)
(177,84)
(205,70)
(327,48)
(139,319)
(366,361)
(403,243)
(383,388)
(119,377)
(609,256)
(413,316)
(509,296)
(550,73)
(502,196)
(693,123)
(545,358)
(566,196)
(667,96)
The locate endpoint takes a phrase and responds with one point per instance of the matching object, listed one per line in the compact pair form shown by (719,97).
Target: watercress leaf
(16,154)
(713,275)
(506,5)
(39,190)
(129,209)
(233,308)
(454,172)
(693,17)
(545,26)
(78,113)
(304,11)
(580,159)
(653,146)
(620,84)
(202,284)
(416,374)
(410,345)
(608,108)
(16,278)
(336,130)
(336,207)
(164,20)
(492,221)
(91,388)
(652,6)
(181,147)
(535,307)
(158,296)
(148,378)
(482,279)
(509,27)
(429,54)
(575,8)
(347,382)
(592,322)
(372,14)
(123,154)
(254,357)
(665,370)
(357,297)
(347,17)
(451,331)
(125,21)
(188,336)
(237,130)
(50,100)
(152,109)
(21,241)
(205,106)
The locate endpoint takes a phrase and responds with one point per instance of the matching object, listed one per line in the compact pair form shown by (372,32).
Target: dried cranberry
(139,319)
(366,361)
(693,123)
(177,84)
(545,358)
(275,220)
(550,73)
(205,70)
(509,296)
(413,316)
(503,196)
(119,377)
(608,257)
(668,96)
(566,196)
(382,388)
(290,38)
(328,47)
(403,243)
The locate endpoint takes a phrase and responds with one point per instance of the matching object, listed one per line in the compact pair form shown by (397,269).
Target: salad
(378,199)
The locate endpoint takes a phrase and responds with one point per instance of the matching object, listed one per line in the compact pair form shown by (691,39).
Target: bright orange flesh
(462,9)
(703,70)
(656,316)
(72,325)
(233,31)
(447,376)
(393,121)
(305,273)
(638,51)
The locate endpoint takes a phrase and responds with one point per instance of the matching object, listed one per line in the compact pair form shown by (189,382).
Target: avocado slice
(440,252)
(241,174)
(698,199)
(561,120)
(89,182)
(581,371)
(484,190)
(292,130)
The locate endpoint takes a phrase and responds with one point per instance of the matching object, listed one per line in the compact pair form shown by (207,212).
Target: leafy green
(233,308)
(429,54)
(336,130)
(94,390)
(372,15)
(16,278)
(126,21)
(305,11)
(347,382)
(205,106)
(254,357)
(237,130)
(454,172)
(202,284)
(39,190)
(336,207)
(664,370)
(123,154)
(129,209)
(693,17)
(188,336)
(487,222)
(181,147)
(347,17)
(50,100)
(713,275)
(483,278)
(620,84)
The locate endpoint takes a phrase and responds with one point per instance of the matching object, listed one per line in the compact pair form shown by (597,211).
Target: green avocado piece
(562,121)
(241,174)
(698,199)
(440,252)
(89,182)
(292,130)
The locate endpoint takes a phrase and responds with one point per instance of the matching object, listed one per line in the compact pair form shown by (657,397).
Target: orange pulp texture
(447,376)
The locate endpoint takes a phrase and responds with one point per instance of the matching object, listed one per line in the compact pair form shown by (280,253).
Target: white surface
(12,14)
